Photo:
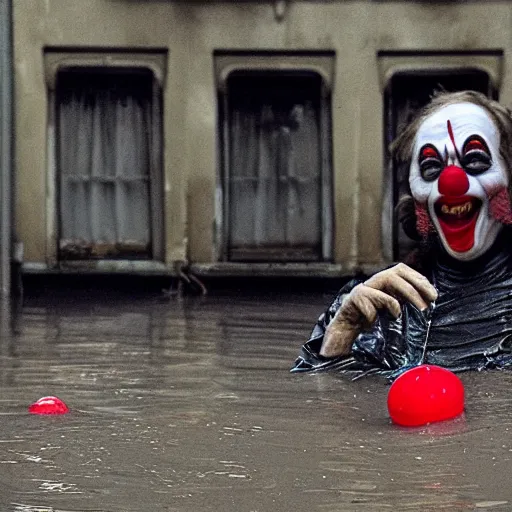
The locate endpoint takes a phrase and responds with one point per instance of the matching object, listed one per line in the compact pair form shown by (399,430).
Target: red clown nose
(453,181)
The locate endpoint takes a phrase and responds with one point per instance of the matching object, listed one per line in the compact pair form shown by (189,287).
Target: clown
(455,308)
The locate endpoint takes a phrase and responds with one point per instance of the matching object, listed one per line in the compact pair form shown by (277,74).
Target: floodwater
(188,405)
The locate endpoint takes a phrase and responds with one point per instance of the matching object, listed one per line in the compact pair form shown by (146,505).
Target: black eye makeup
(476,157)
(430,162)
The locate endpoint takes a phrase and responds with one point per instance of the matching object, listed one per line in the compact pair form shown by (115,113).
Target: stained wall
(190,32)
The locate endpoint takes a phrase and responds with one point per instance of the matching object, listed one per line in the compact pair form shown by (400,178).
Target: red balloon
(48,405)
(425,394)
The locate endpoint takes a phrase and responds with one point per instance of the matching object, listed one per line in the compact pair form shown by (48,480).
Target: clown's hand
(383,291)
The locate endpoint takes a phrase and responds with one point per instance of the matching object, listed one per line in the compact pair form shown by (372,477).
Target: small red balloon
(48,405)
(425,394)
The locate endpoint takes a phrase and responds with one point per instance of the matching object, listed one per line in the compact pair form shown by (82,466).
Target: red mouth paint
(457,218)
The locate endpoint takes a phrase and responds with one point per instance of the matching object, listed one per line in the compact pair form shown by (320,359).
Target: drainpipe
(6,138)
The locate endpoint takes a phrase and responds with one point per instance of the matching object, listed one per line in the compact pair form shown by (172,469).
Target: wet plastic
(425,394)
(48,405)
(468,328)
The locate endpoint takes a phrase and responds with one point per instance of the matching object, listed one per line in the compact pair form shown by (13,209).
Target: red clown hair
(501,208)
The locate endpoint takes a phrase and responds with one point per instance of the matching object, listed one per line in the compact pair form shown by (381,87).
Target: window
(276,176)
(107,162)
(105,159)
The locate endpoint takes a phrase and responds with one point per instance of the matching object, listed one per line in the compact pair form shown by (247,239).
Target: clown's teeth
(458,210)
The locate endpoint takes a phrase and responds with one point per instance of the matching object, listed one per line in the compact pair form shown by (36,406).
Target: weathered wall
(191,31)
(5,145)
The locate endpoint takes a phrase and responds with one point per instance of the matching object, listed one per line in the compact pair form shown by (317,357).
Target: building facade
(6,144)
(234,137)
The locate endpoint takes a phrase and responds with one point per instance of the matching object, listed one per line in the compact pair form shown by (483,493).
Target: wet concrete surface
(188,405)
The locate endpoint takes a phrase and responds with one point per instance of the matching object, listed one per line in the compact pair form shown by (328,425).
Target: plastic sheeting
(469,326)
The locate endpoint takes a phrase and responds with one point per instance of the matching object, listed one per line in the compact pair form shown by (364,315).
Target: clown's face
(456,170)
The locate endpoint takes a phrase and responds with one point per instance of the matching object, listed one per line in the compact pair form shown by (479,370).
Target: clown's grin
(457,218)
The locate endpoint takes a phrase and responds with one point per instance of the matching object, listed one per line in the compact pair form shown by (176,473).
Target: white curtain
(104,162)
(275,176)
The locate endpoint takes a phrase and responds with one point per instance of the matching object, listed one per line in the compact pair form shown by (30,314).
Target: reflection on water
(188,405)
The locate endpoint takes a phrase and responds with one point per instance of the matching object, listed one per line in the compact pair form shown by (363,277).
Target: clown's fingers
(398,287)
(419,281)
(338,339)
(406,284)
(369,301)
(358,312)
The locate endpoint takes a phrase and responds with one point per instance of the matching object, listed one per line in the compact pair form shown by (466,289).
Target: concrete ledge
(214,270)
(154,268)
(324,270)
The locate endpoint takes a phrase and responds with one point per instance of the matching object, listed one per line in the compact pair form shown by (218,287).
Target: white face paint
(455,175)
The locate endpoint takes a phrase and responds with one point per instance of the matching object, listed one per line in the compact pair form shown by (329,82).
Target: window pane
(104,163)
(274,177)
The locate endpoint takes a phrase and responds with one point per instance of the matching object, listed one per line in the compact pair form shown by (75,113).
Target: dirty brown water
(188,405)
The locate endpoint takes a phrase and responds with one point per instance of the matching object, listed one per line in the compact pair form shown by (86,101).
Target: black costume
(468,327)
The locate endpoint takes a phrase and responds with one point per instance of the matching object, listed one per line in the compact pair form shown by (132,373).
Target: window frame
(320,63)
(58,60)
